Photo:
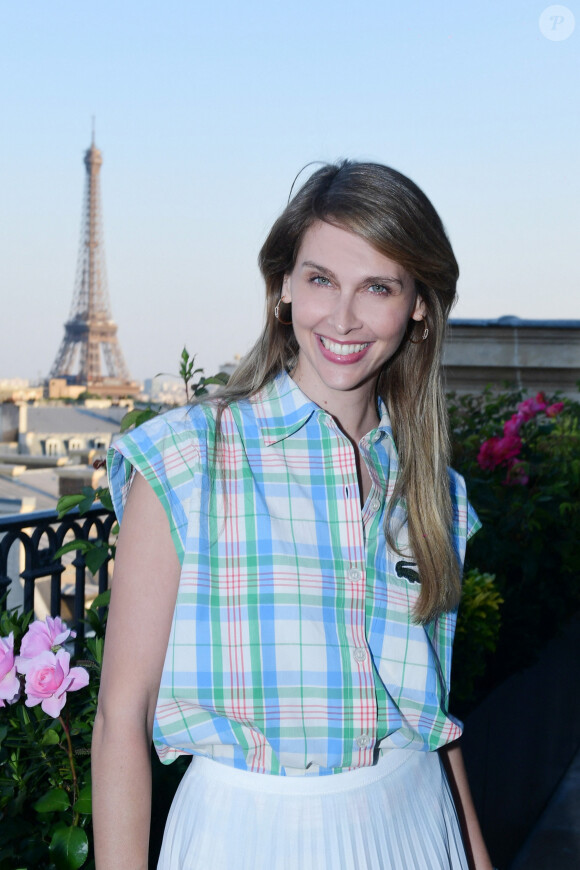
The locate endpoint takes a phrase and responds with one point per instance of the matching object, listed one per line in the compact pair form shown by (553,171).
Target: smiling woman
(348,319)
(260,618)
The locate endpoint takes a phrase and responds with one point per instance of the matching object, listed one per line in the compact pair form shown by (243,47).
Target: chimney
(22,419)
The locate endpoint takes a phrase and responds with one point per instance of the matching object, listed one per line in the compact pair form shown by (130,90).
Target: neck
(356,419)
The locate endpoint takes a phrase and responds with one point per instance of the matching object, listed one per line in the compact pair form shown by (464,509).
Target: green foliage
(84,500)
(136,417)
(96,552)
(45,779)
(187,373)
(478,624)
(69,847)
(531,527)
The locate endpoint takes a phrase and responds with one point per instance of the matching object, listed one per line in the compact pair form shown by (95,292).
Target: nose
(344,317)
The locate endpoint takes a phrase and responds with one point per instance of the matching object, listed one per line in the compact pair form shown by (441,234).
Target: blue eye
(321,280)
(379,290)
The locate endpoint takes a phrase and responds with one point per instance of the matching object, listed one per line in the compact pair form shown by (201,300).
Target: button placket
(354,572)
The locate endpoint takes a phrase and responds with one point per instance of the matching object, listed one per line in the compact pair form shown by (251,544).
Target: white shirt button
(375,505)
(360,654)
(362,740)
(354,575)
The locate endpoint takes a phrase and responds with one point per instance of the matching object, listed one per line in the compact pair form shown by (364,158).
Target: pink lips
(342,359)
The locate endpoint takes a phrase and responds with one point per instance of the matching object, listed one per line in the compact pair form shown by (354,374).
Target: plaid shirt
(292,649)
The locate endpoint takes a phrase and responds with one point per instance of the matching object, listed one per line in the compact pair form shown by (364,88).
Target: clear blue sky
(204,115)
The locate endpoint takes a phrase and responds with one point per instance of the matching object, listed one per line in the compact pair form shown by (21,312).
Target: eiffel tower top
(90,345)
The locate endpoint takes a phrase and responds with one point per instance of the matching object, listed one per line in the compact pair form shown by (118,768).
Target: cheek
(394,325)
(307,309)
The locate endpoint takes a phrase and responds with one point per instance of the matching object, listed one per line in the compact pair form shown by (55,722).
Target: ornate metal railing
(41,534)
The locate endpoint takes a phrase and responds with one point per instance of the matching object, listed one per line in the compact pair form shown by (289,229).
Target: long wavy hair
(390,212)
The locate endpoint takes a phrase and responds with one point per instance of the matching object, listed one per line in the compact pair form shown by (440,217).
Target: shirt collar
(281,409)
(385,420)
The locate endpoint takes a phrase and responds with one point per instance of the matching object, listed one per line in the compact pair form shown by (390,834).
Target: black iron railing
(41,534)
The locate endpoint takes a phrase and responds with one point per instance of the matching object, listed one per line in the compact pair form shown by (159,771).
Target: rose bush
(521,460)
(505,451)
(46,720)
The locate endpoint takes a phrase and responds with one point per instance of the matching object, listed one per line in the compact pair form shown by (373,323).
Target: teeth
(343,349)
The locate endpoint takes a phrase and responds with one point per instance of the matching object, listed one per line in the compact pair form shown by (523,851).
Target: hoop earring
(423,337)
(277,313)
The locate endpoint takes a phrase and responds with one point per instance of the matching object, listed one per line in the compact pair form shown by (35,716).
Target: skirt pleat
(398,814)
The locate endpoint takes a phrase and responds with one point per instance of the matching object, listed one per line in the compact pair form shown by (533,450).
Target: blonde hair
(391,213)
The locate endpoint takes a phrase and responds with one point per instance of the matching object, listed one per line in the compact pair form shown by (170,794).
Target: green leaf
(136,417)
(104,496)
(69,848)
(53,801)
(101,600)
(129,418)
(96,557)
(84,802)
(68,503)
(51,738)
(79,544)
(221,378)
(95,646)
(89,499)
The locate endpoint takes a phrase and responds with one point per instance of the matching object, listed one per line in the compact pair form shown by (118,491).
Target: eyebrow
(371,279)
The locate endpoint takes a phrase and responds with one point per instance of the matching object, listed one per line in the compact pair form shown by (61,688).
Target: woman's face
(351,306)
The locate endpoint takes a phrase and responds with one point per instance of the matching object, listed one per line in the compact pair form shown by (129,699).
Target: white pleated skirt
(398,814)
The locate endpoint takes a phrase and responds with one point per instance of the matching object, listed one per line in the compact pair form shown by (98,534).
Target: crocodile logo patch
(405,569)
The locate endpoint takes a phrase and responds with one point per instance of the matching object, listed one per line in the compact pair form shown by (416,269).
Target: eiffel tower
(90,342)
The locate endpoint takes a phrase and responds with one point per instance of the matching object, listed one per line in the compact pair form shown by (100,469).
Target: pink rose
(516,474)
(513,425)
(42,636)
(9,682)
(487,457)
(49,677)
(531,407)
(508,447)
(498,451)
(555,409)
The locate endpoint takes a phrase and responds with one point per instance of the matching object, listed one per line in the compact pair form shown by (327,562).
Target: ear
(420,309)
(286,294)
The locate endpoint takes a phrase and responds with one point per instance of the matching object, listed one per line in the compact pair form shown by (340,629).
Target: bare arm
(475,847)
(143,596)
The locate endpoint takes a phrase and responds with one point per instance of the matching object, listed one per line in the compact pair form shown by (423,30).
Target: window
(52,447)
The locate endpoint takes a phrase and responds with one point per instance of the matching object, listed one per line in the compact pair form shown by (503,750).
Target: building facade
(532,355)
